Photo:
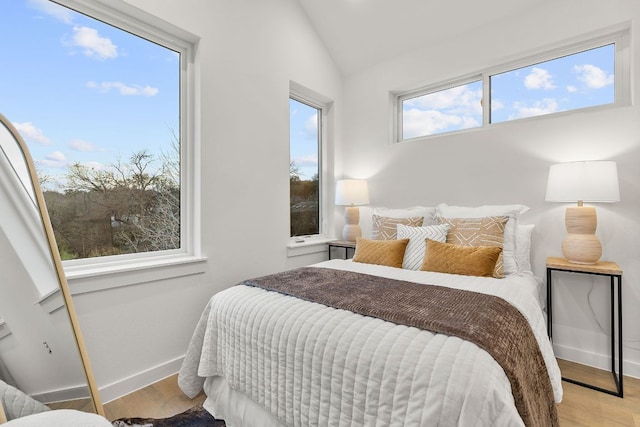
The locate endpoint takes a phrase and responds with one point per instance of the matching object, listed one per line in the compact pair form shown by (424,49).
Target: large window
(102,111)
(305,138)
(585,75)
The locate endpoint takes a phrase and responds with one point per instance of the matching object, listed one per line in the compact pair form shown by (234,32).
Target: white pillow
(427,213)
(416,248)
(510,265)
(523,247)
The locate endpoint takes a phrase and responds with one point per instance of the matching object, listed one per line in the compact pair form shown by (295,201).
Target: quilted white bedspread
(308,364)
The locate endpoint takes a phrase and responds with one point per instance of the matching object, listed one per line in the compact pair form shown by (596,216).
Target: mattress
(264,358)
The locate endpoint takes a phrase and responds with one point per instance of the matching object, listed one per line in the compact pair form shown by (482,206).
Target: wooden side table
(347,246)
(601,268)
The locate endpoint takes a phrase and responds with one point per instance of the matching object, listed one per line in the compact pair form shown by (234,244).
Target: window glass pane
(99,110)
(581,80)
(446,110)
(304,171)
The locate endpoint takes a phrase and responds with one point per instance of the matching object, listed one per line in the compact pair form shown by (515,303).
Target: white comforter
(308,364)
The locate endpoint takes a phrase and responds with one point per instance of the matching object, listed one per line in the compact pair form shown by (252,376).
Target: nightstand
(614,273)
(347,246)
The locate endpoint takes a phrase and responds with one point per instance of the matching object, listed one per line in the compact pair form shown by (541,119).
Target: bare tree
(127,207)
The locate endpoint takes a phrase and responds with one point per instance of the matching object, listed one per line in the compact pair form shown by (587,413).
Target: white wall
(249,51)
(509,163)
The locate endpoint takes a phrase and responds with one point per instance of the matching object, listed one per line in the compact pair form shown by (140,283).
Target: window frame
(618,35)
(142,24)
(324,105)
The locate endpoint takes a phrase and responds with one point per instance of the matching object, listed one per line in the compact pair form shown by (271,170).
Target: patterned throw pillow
(465,260)
(487,231)
(415,253)
(385,228)
(380,252)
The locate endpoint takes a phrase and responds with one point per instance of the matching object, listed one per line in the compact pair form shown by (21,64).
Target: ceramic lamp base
(351,229)
(581,246)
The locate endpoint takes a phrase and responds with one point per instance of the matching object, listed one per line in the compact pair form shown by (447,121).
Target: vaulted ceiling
(360,33)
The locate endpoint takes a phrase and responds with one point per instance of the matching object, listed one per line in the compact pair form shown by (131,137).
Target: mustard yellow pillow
(487,231)
(456,259)
(380,252)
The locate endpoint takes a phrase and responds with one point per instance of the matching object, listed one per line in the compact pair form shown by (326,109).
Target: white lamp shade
(352,192)
(590,181)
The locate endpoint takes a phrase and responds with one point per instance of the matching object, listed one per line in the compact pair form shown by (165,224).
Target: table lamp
(588,181)
(352,193)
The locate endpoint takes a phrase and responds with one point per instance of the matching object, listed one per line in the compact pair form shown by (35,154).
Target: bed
(267,358)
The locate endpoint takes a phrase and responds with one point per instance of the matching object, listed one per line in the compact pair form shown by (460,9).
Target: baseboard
(596,360)
(140,380)
(63,395)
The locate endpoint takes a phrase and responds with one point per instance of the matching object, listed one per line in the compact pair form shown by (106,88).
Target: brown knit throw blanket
(486,320)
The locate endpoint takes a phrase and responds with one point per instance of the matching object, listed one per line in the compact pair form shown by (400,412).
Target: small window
(581,80)
(437,111)
(305,138)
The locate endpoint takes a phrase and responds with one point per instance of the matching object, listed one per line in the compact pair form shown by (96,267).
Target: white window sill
(85,279)
(308,246)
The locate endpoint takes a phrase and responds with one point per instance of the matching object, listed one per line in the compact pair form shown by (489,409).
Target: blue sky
(304,138)
(580,80)
(79,90)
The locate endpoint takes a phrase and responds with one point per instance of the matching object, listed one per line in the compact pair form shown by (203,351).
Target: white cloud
(460,99)
(594,77)
(419,123)
(539,78)
(58,12)
(496,105)
(54,160)
(94,165)
(306,161)
(450,109)
(57,156)
(123,89)
(81,145)
(30,132)
(539,108)
(311,126)
(572,89)
(93,45)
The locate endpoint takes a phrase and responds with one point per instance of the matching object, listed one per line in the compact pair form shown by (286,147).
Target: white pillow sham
(427,213)
(416,248)
(510,265)
(523,247)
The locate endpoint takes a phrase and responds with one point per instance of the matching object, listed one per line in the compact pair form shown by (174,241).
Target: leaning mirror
(43,359)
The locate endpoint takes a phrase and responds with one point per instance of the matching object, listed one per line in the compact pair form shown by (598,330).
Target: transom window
(442,110)
(580,80)
(586,75)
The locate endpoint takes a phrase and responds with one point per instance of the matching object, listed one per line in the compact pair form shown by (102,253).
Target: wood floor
(160,400)
(588,408)
(581,407)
